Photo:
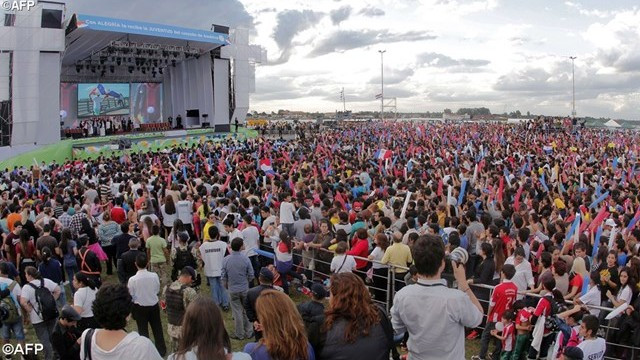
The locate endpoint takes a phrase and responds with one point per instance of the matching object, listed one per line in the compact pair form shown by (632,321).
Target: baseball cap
(69,313)
(266,273)
(318,290)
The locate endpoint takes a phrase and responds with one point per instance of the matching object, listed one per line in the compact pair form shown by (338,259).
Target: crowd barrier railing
(391,282)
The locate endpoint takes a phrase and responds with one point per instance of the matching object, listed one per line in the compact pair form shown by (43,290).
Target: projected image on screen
(100,99)
(69,105)
(146,102)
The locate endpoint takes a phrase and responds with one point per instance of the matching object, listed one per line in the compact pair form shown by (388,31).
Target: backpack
(8,308)
(47,308)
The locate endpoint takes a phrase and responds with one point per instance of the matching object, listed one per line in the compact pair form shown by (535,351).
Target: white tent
(612,124)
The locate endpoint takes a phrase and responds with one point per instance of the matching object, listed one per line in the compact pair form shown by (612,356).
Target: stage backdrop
(146,102)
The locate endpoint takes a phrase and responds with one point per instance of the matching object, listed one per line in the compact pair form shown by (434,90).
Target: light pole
(573,85)
(382,83)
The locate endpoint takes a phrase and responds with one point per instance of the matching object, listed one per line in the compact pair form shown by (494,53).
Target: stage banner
(143,28)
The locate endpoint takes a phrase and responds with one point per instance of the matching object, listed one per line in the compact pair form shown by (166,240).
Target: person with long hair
(83,300)
(111,308)
(177,229)
(67,251)
(380,271)
(577,278)
(204,335)
(25,254)
(92,243)
(283,332)
(106,232)
(354,326)
(628,288)
(169,214)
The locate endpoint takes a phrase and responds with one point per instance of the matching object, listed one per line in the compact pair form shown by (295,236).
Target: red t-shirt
(509,333)
(361,248)
(118,215)
(504,295)
(576,282)
(543,308)
(523,316)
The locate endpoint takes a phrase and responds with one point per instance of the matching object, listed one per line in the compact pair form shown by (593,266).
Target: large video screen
(100,99)
(69,105)
(146,102)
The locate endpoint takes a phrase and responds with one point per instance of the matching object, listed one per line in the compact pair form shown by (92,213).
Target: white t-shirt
(592,297)
(168,219)
(523,277)
(133,346)
(212,254)
(378,254)
(593,349)
(29,293)
(251,238)
(84,298)
(287,210)
(191,355)
(184,209)
(235,234)
(625,295)
(338,267)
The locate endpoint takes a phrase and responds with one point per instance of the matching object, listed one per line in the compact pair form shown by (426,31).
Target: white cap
(610,222)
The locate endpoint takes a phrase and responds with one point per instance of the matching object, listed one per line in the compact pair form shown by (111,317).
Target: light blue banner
(144,28)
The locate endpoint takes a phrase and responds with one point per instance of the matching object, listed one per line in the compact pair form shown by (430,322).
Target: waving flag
(383,154)
(265,165)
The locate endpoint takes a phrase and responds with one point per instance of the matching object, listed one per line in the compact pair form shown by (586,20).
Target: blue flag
(463,187)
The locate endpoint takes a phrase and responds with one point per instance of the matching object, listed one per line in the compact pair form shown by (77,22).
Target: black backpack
(46,302)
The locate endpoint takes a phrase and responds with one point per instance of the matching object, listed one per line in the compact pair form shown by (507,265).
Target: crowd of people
(107,125)
(519,236)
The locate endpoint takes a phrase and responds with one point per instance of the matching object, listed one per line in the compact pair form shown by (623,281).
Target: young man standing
(593,347)
(178,296)
(237,273)
(144,287)
(212,253)
(450,310)
(16,327)
(503,297)
(65,334)
(287,214)
(265,282)
(158,254)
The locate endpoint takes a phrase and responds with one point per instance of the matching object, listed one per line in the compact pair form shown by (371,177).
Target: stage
(91,148)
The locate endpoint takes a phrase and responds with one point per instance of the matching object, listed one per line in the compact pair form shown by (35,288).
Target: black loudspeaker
(5,126)
(205,124)
(124,143)
(193,113)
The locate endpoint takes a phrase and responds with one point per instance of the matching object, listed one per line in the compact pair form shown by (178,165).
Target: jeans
(110,250)
(255,264)
(17,329)
(289,229)
(150,315)
(242,327)
(43,332)
(218,292)
(71,270)
(486,338)
(62,299)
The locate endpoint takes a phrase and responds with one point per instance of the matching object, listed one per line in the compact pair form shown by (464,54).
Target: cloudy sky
(504,54)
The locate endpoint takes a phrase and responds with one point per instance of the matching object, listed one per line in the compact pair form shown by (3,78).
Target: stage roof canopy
(87,34)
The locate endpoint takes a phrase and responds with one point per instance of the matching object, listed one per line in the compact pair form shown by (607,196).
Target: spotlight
(119,61)
(78,67)
(173,63)
(112,69)
(130,69)
(197,56)
(93,69)
(160,71)
(144,70)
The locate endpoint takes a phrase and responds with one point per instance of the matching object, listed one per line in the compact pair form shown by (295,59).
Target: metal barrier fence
(391,282)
